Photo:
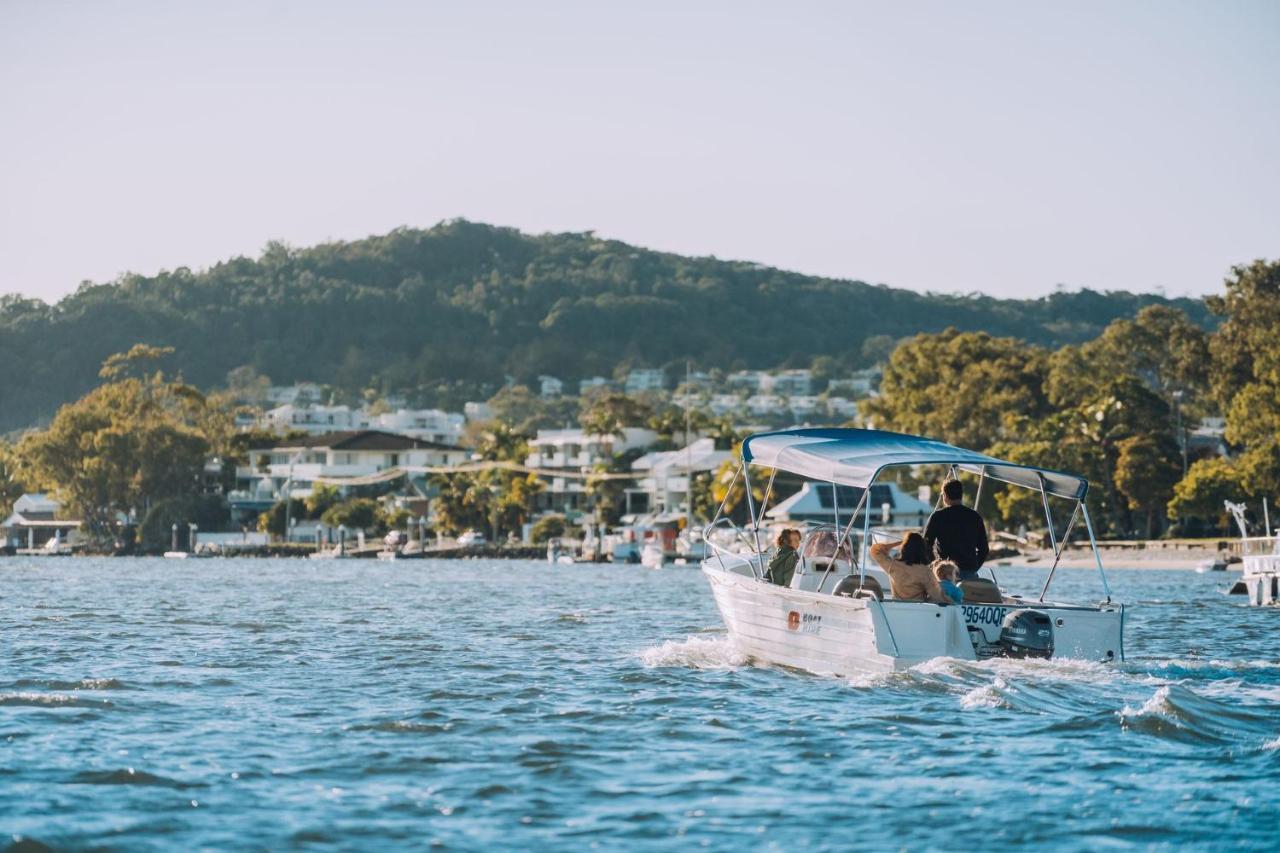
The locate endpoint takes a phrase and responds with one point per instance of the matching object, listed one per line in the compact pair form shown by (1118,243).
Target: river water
(473,704)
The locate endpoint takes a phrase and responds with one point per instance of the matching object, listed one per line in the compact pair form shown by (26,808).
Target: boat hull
(828,634)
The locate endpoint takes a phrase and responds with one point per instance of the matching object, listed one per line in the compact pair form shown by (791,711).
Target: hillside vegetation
(454,310)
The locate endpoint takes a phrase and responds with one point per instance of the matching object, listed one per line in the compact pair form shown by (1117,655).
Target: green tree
(124,445)
(11,484)
(547,527)
(1147,469)
(321,498)
(273,520)
(611,412)
(959,387)
(354,514)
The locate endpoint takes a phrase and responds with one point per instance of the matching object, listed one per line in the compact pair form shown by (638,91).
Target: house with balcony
(350,453)
(576,452)
(662,477)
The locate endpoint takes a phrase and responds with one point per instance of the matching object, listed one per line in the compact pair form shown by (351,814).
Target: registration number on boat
(805,623)
(982,615)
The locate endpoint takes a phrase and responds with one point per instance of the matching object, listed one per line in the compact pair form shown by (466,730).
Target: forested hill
(474,303)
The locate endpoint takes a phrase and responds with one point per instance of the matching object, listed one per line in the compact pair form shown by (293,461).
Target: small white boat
(652,556)
(1260,558)
(838,615)
(1217,564)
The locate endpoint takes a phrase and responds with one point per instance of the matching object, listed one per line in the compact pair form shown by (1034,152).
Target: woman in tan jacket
(911,576)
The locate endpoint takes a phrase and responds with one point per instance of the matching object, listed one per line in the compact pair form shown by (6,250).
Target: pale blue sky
(1000,147)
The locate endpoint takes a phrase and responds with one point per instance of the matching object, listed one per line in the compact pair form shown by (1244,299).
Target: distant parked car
(471,539)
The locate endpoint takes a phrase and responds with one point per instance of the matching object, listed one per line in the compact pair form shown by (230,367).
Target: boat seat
(981,591)
(849,585)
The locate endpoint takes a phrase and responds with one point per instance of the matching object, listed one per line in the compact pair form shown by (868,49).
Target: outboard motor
(1026,633)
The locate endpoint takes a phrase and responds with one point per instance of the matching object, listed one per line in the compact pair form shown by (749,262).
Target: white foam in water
(1272,744)
(1157,705)
(985,696)
(696,653)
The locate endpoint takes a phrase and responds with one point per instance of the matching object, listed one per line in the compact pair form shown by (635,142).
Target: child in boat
(948,575)
(783,564)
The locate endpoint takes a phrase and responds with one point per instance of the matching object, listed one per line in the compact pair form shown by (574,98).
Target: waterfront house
(662,483)
(34,522)
(574,450)
(816,502)
(351,453)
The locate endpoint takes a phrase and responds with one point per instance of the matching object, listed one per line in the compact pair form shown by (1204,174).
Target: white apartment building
(842,407)
(725,404)
(749,380)
(790,383)
(802,405)
(427,424)
(550,386)
(573,450)
(765,404)
(586,386)
(645,380)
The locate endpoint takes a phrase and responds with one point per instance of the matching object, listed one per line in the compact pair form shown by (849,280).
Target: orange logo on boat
(793,620)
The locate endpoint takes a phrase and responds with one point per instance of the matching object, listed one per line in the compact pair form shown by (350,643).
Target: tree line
(455,312)
(1120,409)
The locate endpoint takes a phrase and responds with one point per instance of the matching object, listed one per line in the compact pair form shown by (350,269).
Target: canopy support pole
(1057,555)
(1048,515)
(706,533)
(982,478)
(751,510)
(767,492)
(866,533)
(1097,556)
(862,504)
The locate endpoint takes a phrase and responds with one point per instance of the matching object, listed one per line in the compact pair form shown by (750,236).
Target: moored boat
(1260,559)
(839,616)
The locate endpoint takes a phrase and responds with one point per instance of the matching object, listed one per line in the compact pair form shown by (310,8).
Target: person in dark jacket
(957,533)
(783,564)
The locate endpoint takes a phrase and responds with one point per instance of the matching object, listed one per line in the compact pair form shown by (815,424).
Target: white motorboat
(1260,558)
(838,615)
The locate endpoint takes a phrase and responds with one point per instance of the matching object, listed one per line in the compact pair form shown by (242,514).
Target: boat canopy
(854,457)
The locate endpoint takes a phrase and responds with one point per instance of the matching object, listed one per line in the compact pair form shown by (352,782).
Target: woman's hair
(945,570)
(913,550)
(784,538)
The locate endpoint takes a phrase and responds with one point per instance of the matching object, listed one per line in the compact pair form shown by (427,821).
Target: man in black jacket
(957,532)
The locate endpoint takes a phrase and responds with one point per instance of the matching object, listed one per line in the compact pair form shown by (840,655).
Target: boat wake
(715,653)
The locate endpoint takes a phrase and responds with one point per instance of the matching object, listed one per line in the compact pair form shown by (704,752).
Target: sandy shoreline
(1078,558)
